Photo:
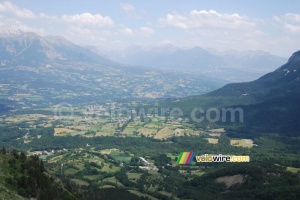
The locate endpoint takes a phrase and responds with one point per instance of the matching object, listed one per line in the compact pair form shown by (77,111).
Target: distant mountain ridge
(230,65)
(17,47)
(252,60)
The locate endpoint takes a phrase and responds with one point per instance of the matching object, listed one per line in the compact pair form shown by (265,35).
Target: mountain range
(270,103)
(52,70)
(233,66)
(25,48)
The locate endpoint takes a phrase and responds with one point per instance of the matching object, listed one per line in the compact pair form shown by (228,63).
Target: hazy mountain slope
(271,103)
(232,65)
(277,115)
(282,81)
(259,61)
(170,57)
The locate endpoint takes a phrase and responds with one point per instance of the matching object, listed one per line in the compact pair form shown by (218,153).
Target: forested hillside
(22,176)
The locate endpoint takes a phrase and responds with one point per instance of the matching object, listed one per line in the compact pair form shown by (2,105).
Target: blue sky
(268,25)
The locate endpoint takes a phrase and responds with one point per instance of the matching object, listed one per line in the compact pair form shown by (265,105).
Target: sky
(267,25)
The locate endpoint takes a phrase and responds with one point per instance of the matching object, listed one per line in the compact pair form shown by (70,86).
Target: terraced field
(247,143)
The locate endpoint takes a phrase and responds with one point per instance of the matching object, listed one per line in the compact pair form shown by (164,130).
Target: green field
(142,194)
(112,180)
(71,171)
(124,159)
(80,182)
(293,169)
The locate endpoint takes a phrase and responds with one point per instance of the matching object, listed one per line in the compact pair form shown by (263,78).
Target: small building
(144,161)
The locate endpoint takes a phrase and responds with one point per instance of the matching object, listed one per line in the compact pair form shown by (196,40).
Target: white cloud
(292,28)
(127,31)
(127,7)
(212,29)
(289,22)
(207,19)
(87,19)
(85,28)
(143,31)
(177,21)
(11,8)
(15,24)
(293,17)
(146,30)
(85,35)
(167,42)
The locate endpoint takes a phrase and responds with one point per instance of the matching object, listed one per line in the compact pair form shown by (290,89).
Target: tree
(3,150)
(22,157)
(15,154)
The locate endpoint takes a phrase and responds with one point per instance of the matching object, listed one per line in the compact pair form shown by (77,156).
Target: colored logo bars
(186,158)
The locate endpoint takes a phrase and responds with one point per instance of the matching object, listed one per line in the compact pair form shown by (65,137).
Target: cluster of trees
(263,181)
(28,178)
(161,160)
(9,133)
(110,193)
